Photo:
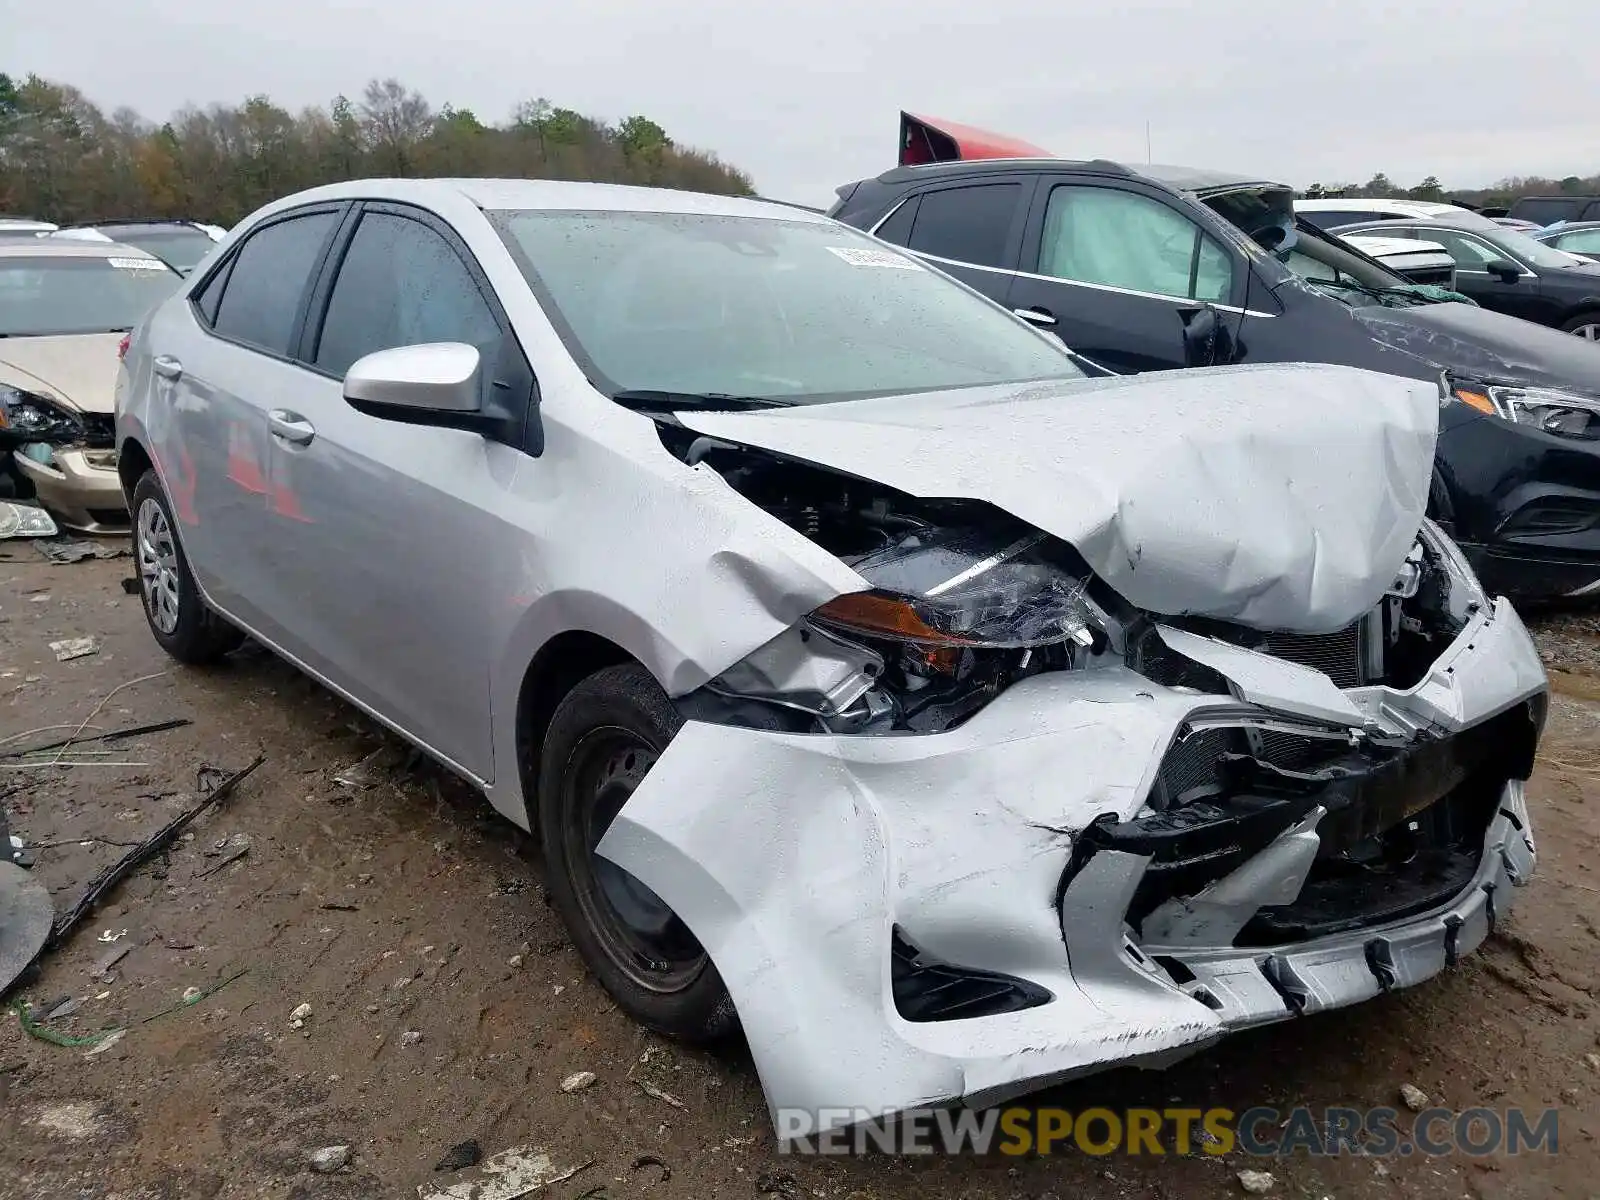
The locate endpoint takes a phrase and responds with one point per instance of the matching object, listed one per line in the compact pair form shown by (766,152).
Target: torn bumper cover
(977,913)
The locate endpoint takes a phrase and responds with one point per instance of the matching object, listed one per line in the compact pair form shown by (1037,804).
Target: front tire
(1585,325)
(603,739)
(180,620)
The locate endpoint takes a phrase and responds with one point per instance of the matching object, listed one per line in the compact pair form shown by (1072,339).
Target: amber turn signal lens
(1476,400)
(887,616)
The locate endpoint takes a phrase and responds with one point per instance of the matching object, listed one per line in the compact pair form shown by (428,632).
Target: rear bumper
(80,487)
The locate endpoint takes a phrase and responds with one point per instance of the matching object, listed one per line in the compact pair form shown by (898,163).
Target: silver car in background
(948,721)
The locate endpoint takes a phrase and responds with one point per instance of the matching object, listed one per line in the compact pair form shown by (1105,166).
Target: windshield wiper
(646,398)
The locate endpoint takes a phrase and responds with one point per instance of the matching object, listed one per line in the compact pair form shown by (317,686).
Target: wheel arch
(133,460)
(563,662)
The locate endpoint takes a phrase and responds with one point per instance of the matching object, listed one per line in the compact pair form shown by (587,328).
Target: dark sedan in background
(1143,268)
(1508,271)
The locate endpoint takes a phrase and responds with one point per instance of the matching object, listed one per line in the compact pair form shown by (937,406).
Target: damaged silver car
(874,678)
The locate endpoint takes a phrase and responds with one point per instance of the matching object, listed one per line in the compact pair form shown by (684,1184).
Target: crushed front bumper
(80,487)
(805,863)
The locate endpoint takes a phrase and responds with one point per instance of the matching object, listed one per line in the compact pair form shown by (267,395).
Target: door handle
(290,426)
(167,367)
(1036,316)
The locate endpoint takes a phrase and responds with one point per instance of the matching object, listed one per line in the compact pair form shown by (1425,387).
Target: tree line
(1380,186)
(64,160)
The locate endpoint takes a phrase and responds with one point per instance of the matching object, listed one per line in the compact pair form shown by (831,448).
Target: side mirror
(1206,341)
(1502,270)
(438,378)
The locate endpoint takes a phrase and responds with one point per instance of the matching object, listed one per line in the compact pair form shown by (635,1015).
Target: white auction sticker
(862,256)
(137,264)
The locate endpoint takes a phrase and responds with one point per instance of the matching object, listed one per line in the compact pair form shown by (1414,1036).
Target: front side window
(1125,240)
(967,224)
(1469,252)
(48,294)
(261,297)
(401,284)
(793,311)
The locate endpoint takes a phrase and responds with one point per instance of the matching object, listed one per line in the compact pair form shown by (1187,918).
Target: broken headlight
(1553,410)
(31,418)
(954,588)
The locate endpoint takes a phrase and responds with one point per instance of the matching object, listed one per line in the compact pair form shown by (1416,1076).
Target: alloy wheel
(158,566)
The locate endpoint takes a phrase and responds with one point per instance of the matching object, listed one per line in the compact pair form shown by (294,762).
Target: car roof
(553,195)
(1466,221)
(1184,179)
(49,247)
(1565,227)
(137,223)
(1417,208)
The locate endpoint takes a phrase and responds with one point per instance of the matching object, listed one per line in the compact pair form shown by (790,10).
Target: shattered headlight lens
(35,419)
(954,588)
(1553,410)
(1466,593)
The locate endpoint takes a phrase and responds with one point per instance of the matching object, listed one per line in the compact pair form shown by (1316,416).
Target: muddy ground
(409,908)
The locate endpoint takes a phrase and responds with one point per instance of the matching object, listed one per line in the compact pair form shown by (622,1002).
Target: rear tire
(180,620)
(1585,325)
(602,740)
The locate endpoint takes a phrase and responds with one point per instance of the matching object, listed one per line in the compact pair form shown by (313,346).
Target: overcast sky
(805,95)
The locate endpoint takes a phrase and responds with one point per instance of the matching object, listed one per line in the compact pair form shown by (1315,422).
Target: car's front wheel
(604,737)
(182,622)
(1586,325)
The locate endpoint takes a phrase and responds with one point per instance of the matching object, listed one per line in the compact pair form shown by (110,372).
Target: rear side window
(401,284)
(1584,241)
(967,224)
(1124,240)
(1332,219)
(268,277)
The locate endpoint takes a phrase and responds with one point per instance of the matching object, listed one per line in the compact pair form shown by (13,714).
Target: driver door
(1116,274)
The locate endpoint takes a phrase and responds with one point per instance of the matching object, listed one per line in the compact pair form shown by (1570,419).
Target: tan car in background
(65,308)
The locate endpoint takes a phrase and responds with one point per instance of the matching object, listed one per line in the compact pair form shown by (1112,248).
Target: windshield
(181,248)
(50,295)
(794,311)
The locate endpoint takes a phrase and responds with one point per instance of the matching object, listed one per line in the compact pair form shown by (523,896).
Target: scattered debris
(109,959)
(144,851)
(460,1156)
(67,552)
(364,774)
(68,649)
(301,1013)
(577,1082)
(38,1032)
(110,936)
(25,521)
(509,1175)
(1257,1183)
(191,995)
(25,918)
(334,906)
(58,1009)
(410,1037)
(1414,1097)
(514,961)
(1592,1061)
(329,1159)
(655,1093)
(110,1040)
(777,1183)
(650,1160)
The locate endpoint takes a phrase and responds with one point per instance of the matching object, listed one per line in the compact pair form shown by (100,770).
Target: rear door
(220,363)
(971,228)
(1115,271)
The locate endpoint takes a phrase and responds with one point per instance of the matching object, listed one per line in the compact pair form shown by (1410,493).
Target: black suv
(1149,268)
(1547,210)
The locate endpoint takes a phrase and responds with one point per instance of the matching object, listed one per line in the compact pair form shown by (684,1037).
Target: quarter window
(967,224)
(1121,239)
(261,296)
(401,284)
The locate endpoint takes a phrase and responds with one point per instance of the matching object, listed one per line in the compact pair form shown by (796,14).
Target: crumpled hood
(1480,343)
(1278,497)
(80,368)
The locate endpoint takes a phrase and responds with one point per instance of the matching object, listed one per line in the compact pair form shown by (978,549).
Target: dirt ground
(408,908)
